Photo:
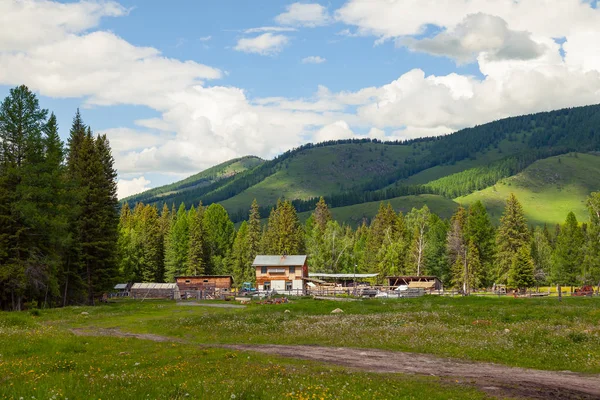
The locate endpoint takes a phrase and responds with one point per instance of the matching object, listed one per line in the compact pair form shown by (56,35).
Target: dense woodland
(467,252)
(63,242)
(58,209)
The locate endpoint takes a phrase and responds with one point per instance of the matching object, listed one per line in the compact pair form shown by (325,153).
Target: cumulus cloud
(478,33)
(266,44)
(304,14)
(133,186)
(334,131)
(313,60)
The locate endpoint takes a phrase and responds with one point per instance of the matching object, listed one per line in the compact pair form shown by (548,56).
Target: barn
(284,274)
(155,291)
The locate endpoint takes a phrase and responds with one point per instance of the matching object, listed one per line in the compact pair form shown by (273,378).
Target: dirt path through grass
(497,380)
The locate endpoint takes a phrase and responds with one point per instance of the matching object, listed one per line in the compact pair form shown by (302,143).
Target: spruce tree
(568,255)
(177,250)
(436,262)
(591,272)
(220,233)
(322,215)
(510,237)
(284,234)
(481,232)
(521,273)
(198,260)
(240,258)
(418,223)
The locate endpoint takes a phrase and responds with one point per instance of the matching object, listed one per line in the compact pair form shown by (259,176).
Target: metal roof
(154,286)
(319,275)
(277,261)
(120,286)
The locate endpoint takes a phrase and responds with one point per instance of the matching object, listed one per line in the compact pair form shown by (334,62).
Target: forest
(66,240)
(59,212)
(467,251)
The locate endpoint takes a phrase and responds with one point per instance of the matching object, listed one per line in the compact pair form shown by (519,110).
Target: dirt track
(497,380)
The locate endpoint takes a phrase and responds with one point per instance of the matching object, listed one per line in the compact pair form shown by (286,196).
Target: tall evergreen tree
(177,250)
(418,223)
(568,255)
(511,236)
(481,232)
(591,271)
(198,260)
(284,234)
(240,258)
(322,214)
(521,273)
(220,234)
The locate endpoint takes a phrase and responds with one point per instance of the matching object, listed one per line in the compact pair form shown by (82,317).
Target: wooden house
(284,274)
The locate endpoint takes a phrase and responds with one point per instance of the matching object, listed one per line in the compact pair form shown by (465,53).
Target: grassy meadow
(548,189)
(41,357)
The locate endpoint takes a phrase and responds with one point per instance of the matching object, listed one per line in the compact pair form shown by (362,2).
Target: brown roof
(203,276)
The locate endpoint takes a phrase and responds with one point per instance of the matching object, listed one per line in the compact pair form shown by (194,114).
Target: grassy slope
(354,215)
(203,178)
(325,170)
(547,189)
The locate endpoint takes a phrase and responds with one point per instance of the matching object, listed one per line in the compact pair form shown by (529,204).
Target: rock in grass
(287,311)
(85,313)
(337,311)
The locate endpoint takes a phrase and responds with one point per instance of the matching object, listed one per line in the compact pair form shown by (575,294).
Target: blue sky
(180,88)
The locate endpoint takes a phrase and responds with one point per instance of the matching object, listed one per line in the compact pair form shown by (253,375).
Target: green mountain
(355,175)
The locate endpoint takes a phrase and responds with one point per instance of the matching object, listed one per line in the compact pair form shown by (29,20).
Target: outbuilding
(155,291)
(284,274)
(203,286)
(429,283)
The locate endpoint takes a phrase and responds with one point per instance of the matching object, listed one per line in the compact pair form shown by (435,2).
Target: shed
(121,289)
(204,282)
(343,279)
(424,282)
(155,291)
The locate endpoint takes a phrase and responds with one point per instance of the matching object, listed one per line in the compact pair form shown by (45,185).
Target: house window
(288,286)
(263,270)
(206,281)
(292,270)
(267,286)
(187,281)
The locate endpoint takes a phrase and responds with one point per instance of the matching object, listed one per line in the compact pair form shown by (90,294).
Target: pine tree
(568,255)
(481,232)
(511,236)
(322,214)
(177,250)
(220,234)
(541,253)
(240,258)
(254,230)
(591,271)
(521,273)
(284,234)
(25,259)
(198,248)
(436,261)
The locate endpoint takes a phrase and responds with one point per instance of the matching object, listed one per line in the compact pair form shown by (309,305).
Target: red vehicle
(586,290)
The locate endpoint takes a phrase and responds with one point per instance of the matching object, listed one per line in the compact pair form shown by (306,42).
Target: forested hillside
(353,172)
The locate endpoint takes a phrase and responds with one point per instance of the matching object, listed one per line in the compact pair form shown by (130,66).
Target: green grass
(325,170)
(355,214)
(543,333)
(40,359)
(548,189)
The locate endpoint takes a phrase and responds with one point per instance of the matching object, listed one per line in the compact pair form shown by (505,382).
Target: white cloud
(133,186)
(334,131)
(392,19)
(313,60)
(31,23)
(205,38)
(270,29)
(304,14)
(265,44)
(476,34)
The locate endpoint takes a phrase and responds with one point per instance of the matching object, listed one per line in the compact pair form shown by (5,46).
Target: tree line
(466,252)
(58,208)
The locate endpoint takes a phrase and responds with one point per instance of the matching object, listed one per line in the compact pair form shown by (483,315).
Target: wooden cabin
(204,282)
(284,274)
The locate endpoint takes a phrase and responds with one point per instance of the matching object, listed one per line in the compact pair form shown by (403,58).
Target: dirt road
(497,380)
